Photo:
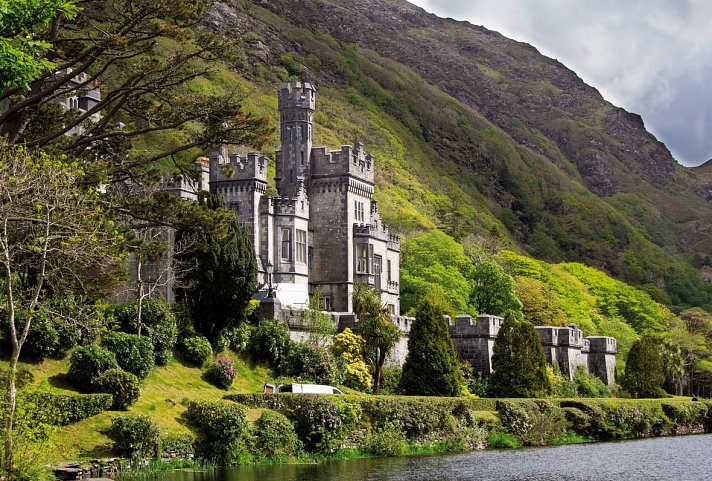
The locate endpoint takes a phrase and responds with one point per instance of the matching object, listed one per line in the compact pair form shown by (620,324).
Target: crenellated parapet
(483,325)
(352,161)
(232,167)
(297,95)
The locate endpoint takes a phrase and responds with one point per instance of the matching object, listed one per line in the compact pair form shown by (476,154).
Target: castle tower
(296,102)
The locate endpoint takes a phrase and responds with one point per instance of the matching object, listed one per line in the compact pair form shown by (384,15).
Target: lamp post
(270,270)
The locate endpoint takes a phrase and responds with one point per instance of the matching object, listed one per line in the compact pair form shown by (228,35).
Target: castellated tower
(297,102)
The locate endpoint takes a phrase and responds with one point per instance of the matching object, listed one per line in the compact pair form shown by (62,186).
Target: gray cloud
(651,57)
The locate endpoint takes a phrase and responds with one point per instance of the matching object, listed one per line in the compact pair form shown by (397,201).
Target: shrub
(221,342)
(534,423)
(388,440)
(503,441)
(196,350)
(274,435)
(589,385)
(318,423)
(578,420)
(123,386)
(63,409)
(390,378)
(134,353)
(87,364)
(222,372)
(417,417)
(222,426)
(314,364)
(135,436)
(179,446)
(686,414)
(270,342)
(48,337)
(158,324)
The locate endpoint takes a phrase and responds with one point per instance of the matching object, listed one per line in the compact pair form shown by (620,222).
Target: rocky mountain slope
(485,138)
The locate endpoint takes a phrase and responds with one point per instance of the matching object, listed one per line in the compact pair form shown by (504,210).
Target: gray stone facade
(565,346)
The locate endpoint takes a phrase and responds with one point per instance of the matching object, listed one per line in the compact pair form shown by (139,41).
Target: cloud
(647,56)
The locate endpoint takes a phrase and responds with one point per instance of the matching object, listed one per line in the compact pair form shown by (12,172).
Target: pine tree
(430,367)
(224,277)
(518,363)
(644,373)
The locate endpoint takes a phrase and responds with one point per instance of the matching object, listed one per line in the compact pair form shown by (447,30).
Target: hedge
(63,409)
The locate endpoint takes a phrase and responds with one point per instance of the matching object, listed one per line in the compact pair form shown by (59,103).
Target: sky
(651,57)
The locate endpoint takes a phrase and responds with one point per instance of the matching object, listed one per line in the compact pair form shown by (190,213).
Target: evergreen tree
(430,368)
(223,278)
(518,363)
(644,373)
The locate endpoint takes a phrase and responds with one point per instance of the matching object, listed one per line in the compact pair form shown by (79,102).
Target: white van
(301,388)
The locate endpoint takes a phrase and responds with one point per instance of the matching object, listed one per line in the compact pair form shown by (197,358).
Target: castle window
(388,270)
(302,157)
(362,258)
(360,216)
(377,266)
(301,245)
(286,244)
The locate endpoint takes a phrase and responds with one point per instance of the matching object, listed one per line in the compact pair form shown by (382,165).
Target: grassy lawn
(162,395)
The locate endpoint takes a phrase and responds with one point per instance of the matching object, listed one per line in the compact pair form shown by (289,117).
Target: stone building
(565,346)
(323,230)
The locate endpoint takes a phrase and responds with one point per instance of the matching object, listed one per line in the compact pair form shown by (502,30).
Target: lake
(684,458)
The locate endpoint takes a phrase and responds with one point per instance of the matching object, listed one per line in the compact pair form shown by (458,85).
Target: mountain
(484,137)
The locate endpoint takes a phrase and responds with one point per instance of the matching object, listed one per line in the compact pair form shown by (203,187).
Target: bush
(137,437)
(589,385)
(196,350)
(390,379)
(313,364)
(134,353)
(158,324)
(503,441)
(270,342)
(238,337)
(63,409)
(686,414)
(178,446)
(318,423)
(388,440)
(274,435)
(88,363)
(47,337)
(222,426)
(534,423)
(222,372)
(123,386)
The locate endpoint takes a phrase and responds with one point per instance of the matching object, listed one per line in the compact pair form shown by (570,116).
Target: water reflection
(682,458)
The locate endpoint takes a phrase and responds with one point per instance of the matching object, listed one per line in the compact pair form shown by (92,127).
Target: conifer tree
(644,373)
(518,363)
(430,368)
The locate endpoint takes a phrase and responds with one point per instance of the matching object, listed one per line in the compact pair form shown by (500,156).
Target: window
(286,244)
(302,157)
(388,270)
(360,217)
(377,263)
(301,245)
(327,303)
(362,258)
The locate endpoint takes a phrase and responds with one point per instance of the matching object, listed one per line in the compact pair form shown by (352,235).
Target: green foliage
(21,53)
(87,363)
(222,426)
(158,324)
(236,338)
(224,278)
(589,385)
(388,440)
(518,362)
(133,353)
(135,436)
(607,420)
(493,290)
(274,435)
(124,387)
(430,367)
(534,423)
(644,373)
(222,372)
(195,350)
(63,409)
(316,322)
(48,336)
(318,424)
(312,364)
(270,342)
(390,380)
(541,304)
(502,441)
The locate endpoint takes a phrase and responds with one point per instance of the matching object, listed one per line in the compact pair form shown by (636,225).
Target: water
(685,458)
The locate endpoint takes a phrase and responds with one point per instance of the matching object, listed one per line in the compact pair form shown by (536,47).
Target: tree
(644,374)
(541,304)
(21,54)
(350,347)
(518,361)
(431,367)
(145,85)
(224,275)
(54,236)
(493,290)
(375,326)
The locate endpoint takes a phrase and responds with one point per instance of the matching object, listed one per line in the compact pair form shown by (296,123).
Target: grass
(162,396)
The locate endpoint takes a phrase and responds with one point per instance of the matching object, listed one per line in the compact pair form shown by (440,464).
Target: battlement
(552,336)
(297,95)
(232,167)
(602,344)
(348,160)
(483,326)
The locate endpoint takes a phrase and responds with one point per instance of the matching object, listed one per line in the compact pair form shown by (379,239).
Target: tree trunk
(11,398)
(380,359)
(139,294)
